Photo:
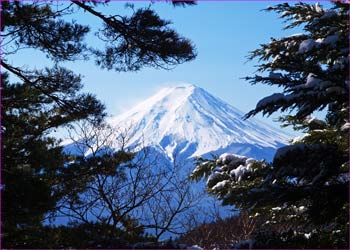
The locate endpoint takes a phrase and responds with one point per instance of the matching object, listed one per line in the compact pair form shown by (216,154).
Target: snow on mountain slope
(188,121)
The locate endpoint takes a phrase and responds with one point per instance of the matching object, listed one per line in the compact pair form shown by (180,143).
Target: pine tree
(305,189)
(31,158)
(35,102)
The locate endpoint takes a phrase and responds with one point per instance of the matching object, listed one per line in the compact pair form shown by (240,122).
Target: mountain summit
(177,124)
(188,121)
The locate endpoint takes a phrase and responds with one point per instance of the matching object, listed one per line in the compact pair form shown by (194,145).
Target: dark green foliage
(183,2)
(37,26)
(304,192)
(289,67)
(38,101)
(138,45)
(143,39)
(92,235)
(31,160)
(234,192)
(28,155)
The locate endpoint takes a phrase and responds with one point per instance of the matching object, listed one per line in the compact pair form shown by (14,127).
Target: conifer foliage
(37,101)
(304,191)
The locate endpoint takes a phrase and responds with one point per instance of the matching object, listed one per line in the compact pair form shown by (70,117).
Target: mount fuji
(178,124)
(186,121)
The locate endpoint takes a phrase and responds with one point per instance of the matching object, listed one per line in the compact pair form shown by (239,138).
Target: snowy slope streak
(188,121)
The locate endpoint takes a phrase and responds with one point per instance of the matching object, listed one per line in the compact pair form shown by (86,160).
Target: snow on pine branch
(271,99)
(311,67)
(310,44)
(226,170)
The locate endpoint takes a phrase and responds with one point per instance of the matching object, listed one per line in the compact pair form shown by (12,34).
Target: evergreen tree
(31,159)
(37,101)
(305,189)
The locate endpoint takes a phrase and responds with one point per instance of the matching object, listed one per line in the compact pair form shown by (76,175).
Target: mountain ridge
(187,120)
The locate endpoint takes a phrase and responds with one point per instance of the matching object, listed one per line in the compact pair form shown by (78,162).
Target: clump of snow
(299,139)
(276,209)
(220,185)
(302,209)
(314,122)
(314,83)
(299,210)
(231,168)
(295,35)
(346,126)
(240,164)
(312,80)
(194,247)
(285,13)
(307,236)
(239,172)
(310,44)
(274,75)
(318,7)
(319,40)
(214,176)
(197,169)
(270,99)
(230,159)
(276,58)
(307,45)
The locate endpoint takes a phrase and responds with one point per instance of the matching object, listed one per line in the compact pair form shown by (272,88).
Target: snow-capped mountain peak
(187,120)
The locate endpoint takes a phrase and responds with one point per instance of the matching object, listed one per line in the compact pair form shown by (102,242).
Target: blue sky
(223,32)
